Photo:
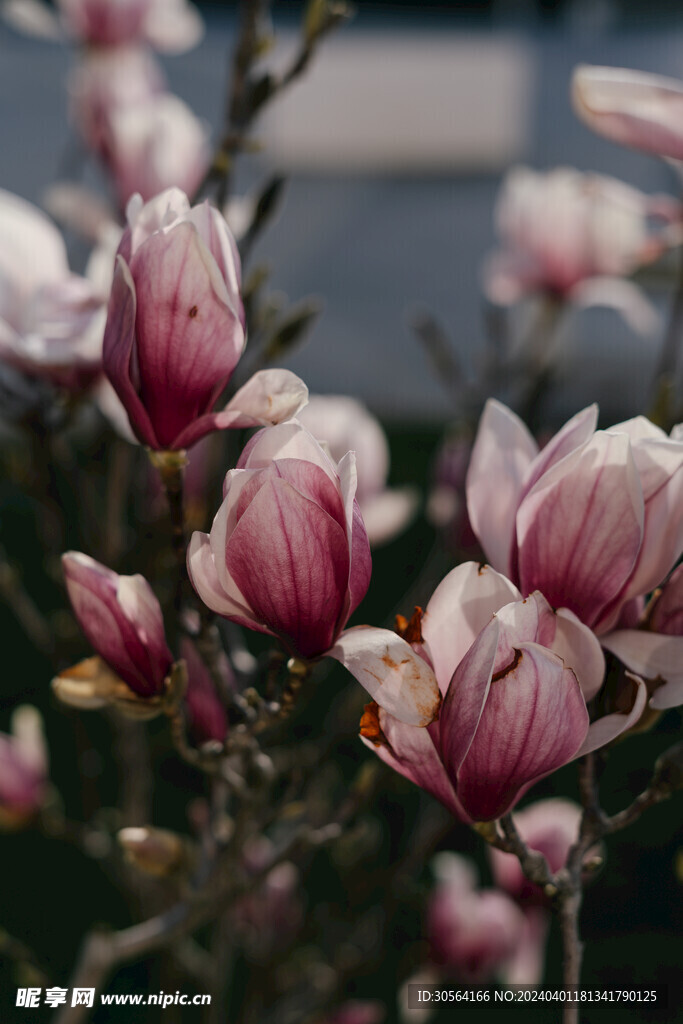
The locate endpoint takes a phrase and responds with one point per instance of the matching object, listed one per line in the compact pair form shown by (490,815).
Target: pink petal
(394,676)
(290,560)
(460,607)
(188,338)
(201,568)
(580,650)
(464,704)
(652,656)
(580,528)
(631,107)
(119,341)
(575,433)
(609,727)
(285,441)
(534,720)
(624,297)
(502,453)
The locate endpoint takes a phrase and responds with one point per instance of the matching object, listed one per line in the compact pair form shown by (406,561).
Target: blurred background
(394,145)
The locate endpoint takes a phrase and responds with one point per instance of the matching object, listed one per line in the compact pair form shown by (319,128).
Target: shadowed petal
(201,569)
(652,656)
(607,728)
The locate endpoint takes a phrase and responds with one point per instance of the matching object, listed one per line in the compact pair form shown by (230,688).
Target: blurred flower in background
(23,768)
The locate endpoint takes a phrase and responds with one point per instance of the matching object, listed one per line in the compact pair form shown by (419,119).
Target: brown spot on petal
(410,629)
(508,668)
(193,312)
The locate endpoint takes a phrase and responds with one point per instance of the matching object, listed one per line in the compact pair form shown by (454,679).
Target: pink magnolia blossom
(172,26)
(575,236)
(633,108)
(593,520)
(105,81)
(122,619)
(515,677)
(473,933)
(153,145)
(655,649)
(175,328)
(548,826)
(288,555)
(345,424)
(23,768)
(51,321)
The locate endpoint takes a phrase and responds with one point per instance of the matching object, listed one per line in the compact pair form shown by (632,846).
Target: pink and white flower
(345,424)
(288,555)
(593,520)
(121,618)
(23,768)
(51,321)
(473,933)
(175,328)
(633,108)
(576,236)
(515,677)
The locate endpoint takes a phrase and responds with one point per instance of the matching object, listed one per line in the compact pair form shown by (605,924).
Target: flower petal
(399,680)
(534,720)
(460,607)
(580,528)
(502,453)
(607,728)
(652,656)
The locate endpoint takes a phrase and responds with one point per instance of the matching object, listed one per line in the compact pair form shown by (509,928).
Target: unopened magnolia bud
(154,851)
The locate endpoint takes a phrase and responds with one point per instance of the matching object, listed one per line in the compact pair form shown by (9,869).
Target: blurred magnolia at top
(23,768)
(345,424)
(515,677)
(472,932)
(104,81)
(171,26)
(575,236)
(634,108)
(153,145)
(175,328)
(51,321)
(548,826)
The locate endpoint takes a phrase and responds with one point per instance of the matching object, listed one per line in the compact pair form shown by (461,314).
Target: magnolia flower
(104,82)
(633,108)
(175,328)
(153,145)
(548,826)
(472,932)
(345,424)
(51,321)
(288,555)
(515,677)
(593,520)
(172,26)
(122,619)
(655,648)
(23,768)
(575,236)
